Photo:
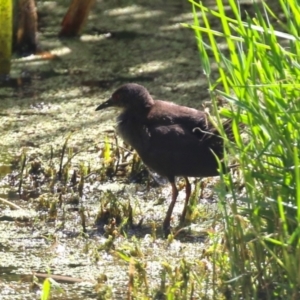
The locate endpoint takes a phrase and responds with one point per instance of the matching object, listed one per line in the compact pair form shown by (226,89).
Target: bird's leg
(167,220)
(187,198)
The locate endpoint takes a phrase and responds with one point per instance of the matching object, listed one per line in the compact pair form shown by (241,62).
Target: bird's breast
(134,133)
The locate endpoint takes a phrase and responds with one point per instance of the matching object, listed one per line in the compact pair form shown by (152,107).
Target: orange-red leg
(167,221)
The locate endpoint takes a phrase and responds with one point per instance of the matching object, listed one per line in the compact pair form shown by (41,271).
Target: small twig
(22,170)
(32,113)
(12,205)
(60,277)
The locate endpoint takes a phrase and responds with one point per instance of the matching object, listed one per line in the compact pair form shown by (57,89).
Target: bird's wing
(179,117)
(174,151)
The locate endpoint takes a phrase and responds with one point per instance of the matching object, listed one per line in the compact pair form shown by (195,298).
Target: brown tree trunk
(75,17)
(25,27)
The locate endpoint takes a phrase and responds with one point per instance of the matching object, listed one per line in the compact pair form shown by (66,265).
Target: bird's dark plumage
(172,140)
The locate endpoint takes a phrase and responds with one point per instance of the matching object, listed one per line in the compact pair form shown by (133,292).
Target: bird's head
(131,96)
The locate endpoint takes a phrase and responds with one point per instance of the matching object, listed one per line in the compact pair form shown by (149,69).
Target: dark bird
(171,139)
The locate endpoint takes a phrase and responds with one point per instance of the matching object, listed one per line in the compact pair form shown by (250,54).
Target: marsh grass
(259,79)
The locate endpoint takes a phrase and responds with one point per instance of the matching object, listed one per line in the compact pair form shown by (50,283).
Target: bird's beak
(105,104)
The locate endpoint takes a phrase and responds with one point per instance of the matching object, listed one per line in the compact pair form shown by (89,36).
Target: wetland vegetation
(78,205)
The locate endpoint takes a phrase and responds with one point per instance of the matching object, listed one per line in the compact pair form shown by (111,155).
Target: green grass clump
(259,71)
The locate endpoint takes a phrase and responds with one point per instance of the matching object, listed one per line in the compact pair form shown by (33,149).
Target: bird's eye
(117,97)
